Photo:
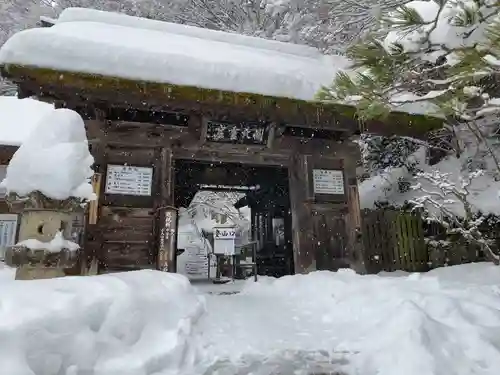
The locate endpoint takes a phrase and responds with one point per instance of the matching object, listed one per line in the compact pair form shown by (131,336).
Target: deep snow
(445,322)
(135,323)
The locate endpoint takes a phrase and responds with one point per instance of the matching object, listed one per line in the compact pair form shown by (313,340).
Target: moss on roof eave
(197,94)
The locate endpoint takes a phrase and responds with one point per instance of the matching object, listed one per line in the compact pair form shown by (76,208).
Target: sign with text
(328,181)
(224,240)
(249,133)
(8,230)
(224,233)
(129,180)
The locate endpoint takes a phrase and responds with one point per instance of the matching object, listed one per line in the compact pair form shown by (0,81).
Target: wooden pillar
(354,225)
(356,253)
(93,239)
(167,218)
(303,255)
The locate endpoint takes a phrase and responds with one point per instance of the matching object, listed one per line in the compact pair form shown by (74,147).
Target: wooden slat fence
(393,240)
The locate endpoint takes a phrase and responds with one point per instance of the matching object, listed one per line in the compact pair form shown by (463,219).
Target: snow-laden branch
(444,193)
(443,54)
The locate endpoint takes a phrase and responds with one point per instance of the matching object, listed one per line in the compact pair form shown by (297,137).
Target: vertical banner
(167,240)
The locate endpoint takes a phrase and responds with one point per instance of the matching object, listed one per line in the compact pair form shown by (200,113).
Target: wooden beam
(212,155)
(324,118)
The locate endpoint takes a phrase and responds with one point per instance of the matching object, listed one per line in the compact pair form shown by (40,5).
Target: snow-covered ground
(6,273)
(134,323)
(445,322)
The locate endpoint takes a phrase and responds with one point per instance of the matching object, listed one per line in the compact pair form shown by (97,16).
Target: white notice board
(328,181)
(129,180)
(8,230)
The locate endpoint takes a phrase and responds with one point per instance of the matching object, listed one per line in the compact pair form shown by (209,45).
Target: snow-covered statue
(47,181)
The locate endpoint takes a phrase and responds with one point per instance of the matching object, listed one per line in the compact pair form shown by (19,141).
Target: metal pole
(254,256)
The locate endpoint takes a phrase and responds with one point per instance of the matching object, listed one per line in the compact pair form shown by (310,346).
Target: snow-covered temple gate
(247,101)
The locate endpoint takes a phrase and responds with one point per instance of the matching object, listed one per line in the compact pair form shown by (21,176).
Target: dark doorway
(264,190)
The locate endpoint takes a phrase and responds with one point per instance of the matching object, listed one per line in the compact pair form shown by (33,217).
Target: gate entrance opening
(261,191)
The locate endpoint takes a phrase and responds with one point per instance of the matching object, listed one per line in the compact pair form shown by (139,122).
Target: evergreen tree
(440,57)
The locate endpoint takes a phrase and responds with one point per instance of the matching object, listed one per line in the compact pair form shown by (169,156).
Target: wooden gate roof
(158,62)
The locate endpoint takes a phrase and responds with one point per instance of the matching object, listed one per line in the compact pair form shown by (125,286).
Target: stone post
(41,220)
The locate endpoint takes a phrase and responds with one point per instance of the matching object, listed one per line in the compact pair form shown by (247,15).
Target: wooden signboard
(8,231)
(129,180)
(246,133)
(168,239)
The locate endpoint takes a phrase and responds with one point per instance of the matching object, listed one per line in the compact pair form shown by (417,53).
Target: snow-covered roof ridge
(75,14)
(165,57)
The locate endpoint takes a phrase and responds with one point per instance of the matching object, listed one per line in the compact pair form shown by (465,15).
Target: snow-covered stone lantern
(47,181)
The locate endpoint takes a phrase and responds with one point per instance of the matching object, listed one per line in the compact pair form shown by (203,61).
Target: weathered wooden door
(321,212)
(330,239)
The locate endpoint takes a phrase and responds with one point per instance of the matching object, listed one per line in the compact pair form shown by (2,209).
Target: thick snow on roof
(155,51)
(18,117)
(120,19)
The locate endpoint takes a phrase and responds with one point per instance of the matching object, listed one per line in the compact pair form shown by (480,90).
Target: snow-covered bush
(445,193)
(379,152)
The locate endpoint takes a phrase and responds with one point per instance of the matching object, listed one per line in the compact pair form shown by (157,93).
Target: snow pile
(54,159)
(136,49)
(134,323)
(56,245)
(18,118)
(446,322)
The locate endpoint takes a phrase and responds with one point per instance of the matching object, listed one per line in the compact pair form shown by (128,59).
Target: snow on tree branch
(442,54)
(442,194)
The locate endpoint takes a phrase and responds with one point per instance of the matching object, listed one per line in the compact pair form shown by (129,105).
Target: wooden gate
(393,240)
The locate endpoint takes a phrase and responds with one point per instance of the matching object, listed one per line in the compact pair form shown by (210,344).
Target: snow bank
(54,159)
(134,323)
(446,322)
(18,118)
(140,51)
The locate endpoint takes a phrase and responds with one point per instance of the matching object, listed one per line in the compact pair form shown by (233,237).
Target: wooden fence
(393,240)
